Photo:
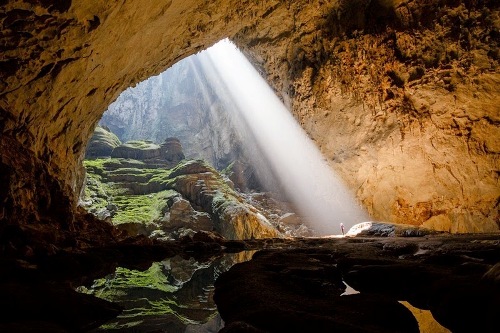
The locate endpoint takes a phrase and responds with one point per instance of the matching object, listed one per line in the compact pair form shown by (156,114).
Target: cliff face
(402,96)
(180,103)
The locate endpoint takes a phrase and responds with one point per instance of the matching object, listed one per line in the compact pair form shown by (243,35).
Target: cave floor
(435,283)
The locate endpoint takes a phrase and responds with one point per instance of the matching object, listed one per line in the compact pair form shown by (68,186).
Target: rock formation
(137,150)
(401,96)
(233,218)
(143,189)
(171,150)
(102,143)
(358,285)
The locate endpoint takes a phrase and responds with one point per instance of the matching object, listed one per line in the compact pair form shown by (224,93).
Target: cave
(401,97)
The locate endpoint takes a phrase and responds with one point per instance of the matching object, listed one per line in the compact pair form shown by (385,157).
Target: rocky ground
(307,285)
(150,189)
(289,285)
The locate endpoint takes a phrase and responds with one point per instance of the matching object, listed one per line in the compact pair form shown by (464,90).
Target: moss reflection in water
(153,278)
(170,295)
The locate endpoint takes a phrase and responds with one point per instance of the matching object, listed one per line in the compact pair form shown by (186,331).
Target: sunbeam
(301,170)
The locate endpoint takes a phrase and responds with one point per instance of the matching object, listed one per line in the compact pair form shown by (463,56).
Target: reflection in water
(425,319)
(174,295)
(348,290)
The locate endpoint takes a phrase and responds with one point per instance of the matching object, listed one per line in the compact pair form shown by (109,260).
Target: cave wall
(64,62)
(401,96)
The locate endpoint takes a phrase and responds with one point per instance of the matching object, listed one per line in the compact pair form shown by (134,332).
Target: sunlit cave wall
(402,97)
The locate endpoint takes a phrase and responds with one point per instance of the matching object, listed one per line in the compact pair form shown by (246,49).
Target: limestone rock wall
(402,96)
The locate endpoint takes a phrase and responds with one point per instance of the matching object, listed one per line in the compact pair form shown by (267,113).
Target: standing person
(342,228)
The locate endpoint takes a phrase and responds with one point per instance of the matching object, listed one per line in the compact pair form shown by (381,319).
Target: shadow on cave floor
(289,285)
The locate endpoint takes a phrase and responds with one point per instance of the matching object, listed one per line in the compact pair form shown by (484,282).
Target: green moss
(161,179)
(140,144)
(141,208)
(124,286)
(132,171)
(144,173)
(106,136)
(97,192)
(101,165)
(95,166)
(152,278)
(117,326)
(109,181)
(115,163)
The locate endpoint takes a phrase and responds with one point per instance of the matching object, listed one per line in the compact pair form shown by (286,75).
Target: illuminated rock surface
(402,97)
(151,198)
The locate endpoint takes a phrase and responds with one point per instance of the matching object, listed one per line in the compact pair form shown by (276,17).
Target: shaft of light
(320,196)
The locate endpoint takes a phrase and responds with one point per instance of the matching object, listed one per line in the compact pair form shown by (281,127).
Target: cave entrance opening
(215,108)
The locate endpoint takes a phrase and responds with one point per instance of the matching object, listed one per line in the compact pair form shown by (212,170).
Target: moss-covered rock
(102,143)
(233,217)
(139,150)
(190,197)
(119,189)
(145,208)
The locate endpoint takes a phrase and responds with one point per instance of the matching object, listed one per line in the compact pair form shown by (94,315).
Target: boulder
(102,143)
(171,150)
(182,215)
(386,229)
